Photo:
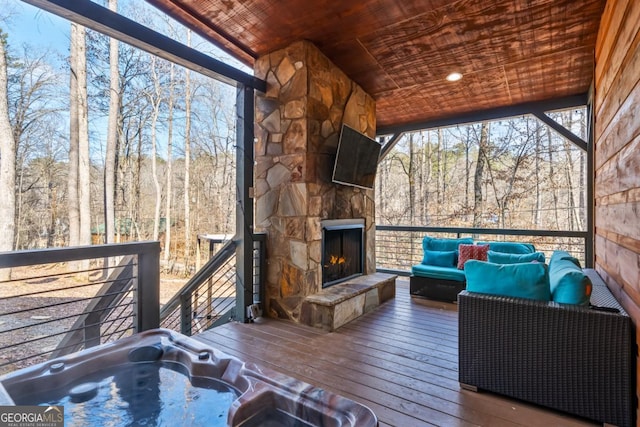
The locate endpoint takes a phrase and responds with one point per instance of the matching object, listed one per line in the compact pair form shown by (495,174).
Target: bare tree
(84,164)
(7,166)
(483,148)
(112,136)
(187,162)
(155,98)
(169,170)
(74,141)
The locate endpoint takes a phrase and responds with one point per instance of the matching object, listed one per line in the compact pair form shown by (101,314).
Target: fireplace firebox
(342,250)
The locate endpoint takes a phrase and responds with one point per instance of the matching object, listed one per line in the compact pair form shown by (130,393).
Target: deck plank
(400,360)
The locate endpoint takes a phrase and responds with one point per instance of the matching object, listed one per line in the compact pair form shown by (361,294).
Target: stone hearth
(298,122)
(338,305)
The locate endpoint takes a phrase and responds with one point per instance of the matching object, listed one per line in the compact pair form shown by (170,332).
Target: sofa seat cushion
(436,272)
(510,247)
(529,280)
(507,258)
(568,282)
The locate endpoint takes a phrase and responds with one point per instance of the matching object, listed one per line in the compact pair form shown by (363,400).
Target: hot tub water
(142,394)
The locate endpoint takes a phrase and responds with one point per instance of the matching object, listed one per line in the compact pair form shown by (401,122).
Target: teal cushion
(432,244)
(568,282)
(563,255)
(435,272)
(528,280)
(440,258)
(510,247)
(505,258)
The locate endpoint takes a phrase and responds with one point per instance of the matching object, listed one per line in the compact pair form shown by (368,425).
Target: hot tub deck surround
(339,304)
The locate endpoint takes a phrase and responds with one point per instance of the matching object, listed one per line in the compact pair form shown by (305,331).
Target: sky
(28,25)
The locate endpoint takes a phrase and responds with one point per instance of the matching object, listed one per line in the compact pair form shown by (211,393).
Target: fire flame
(336,260)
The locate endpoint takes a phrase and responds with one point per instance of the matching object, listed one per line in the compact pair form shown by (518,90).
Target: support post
(147,307)
(244,207)
(589,248)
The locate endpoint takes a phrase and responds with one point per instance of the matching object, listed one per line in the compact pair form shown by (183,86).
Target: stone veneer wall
(297,129)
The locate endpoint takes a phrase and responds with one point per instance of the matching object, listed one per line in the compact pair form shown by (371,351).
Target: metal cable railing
(209,298)
(400,247)
(206,298)
(62,300)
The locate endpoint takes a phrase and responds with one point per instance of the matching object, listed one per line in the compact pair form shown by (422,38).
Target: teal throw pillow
(568,282)
(440,258)
(432,244)
(528,280)
(505,258)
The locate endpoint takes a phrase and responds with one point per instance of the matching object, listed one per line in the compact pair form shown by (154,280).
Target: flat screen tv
(356,160)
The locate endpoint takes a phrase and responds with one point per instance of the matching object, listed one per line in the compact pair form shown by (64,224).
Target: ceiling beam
(490,114)
(386,148)
(540,115)
(96,17)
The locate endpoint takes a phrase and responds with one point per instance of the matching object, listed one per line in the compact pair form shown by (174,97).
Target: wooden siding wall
(617,154)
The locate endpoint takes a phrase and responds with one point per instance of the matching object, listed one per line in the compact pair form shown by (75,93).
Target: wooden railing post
(148,290)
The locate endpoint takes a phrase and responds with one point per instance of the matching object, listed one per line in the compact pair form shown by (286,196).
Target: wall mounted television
(356,159)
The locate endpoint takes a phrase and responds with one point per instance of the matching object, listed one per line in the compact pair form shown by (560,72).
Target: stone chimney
(297,129)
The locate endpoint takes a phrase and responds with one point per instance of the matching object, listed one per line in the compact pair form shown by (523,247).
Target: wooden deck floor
(400,360)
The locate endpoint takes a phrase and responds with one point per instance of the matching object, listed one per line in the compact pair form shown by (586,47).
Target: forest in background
(103,133)
(105,127)
(512,173)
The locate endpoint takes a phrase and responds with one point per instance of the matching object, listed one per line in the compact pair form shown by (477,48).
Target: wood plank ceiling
(400,51)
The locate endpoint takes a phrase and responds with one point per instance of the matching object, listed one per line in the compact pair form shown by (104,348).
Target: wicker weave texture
(570,358)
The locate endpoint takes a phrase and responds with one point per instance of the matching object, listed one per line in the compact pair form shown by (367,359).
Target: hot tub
(160,377)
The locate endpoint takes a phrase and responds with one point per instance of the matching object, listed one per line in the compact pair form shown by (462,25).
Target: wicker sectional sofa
(434,280)
(573,358)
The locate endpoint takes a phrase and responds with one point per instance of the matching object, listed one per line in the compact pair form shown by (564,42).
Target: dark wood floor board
(382,359)
(382,405)
(433,331)
(401,337)
(406,383)
(400,360)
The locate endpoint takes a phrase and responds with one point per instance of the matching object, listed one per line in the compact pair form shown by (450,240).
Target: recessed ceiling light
(454,77)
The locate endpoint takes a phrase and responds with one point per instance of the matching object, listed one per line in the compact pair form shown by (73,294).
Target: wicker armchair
(572,358)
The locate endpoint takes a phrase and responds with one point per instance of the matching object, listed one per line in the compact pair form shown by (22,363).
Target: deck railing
(400,247)
(66,299)
(208,299)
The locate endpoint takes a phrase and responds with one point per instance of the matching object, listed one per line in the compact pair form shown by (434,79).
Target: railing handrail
(74,253)
(489,231)
(202,275)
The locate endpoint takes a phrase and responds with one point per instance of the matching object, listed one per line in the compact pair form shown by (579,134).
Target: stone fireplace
(298,122)
(342,250)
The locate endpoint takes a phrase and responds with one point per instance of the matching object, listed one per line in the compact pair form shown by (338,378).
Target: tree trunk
(112,137)
(552,180)
(168,173)
(74,138)
(439,195)
(478,206)
(84,166)
(7,168)
(411,178)
(187,163)
(156,99)
(538,203)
